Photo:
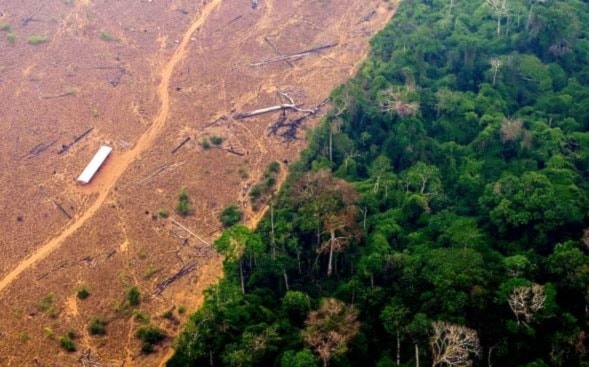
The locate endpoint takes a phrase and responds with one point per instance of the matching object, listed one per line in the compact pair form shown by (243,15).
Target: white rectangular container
(94,164)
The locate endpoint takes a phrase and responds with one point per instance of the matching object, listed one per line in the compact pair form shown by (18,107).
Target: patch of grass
(216,140)
(181,310)
(231,215)
(243,172)
(134,296)
(163,213)
(37,39)
(141,316)
(142,254)
(48,330)
(83,292)
(67,343)
(205,143)
(11,37)
(168,315)
(5,26)
(23,336)
(105,36)
(97,326)
(46,302)
(151,271)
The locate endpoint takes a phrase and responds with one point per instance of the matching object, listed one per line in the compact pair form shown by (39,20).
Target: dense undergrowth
(437,217)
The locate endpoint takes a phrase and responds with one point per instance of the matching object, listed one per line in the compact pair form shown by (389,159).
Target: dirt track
(184,66)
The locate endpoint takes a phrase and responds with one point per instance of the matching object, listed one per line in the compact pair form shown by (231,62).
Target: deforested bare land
(143,77)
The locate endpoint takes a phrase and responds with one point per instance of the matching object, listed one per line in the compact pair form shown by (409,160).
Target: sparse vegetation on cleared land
(37,39)
(231,215)
(134,296)
(183,205)
(83,292)
(105,36)
(150,335)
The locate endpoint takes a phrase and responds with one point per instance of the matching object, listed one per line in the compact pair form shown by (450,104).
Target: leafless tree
(511,129)
(525,302)
(329,329)
(496,64)
(501,9)
(397,100)
(453,345)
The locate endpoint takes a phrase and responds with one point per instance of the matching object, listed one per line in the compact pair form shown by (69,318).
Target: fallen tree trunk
(181,144)
(179,274)
(66,147)
(294,56)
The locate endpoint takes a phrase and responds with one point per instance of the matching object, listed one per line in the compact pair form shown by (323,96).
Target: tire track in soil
(119,163)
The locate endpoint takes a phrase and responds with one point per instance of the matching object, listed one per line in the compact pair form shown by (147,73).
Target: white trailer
(94,165)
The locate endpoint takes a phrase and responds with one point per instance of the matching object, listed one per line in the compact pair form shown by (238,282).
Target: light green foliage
(37,39)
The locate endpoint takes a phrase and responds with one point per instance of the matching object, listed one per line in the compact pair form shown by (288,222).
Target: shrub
(37,39)
(149,335)
(205,143)
(141,316)
(134,296)
(256,192)
(274,167)
(181,309)
(168,315)
(163,213)
(83,292)
(67,343)
(216,140)
(231,215)
(183,205)
(97,326)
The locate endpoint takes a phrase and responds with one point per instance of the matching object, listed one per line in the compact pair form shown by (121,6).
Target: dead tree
(66,147)
(525,302)
(179,274)
(453,345)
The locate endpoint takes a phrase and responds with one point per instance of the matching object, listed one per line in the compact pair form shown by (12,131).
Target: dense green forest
(440,214)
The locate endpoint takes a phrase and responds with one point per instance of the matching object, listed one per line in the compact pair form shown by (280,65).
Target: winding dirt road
(118,163)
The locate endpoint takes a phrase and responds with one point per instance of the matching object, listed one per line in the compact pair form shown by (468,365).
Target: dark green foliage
(183,205)
(469,149)
(67,343)
(150,336)
(231,215)
(97,326)
(83,292)
(134,296)
(216,140)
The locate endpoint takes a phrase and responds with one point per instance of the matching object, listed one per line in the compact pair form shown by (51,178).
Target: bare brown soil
(146,75)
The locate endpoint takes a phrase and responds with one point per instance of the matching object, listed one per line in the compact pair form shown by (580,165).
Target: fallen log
(230,150)
(181,144)
(40,148)
(277,52)
(179,274)
(189,231)
(66,147)
(297,55)
(28,19)
(63,211)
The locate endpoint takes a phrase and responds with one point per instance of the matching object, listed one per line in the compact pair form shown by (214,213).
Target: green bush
(256,192)
(67,343)
(183,206)
(231,215)
(46,302)
(37,39)
(216,140)
(273,167)
(11,37)
(134,296)
(205,143)
(5,27)
(83,292)
(97,326)
(163,213)
(149,335)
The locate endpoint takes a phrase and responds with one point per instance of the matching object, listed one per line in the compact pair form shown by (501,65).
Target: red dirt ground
(186,64)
